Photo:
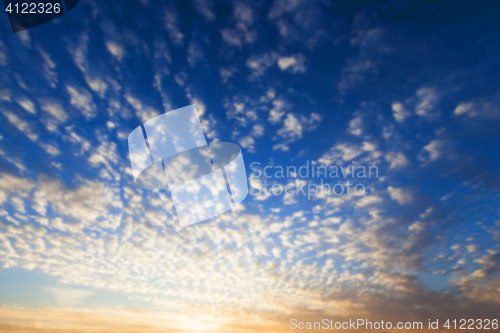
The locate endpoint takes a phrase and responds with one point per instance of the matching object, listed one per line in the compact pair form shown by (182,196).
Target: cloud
(143,112)
(466,108)
(293,128)
(49,67)
(55,110)
(27,104)
(400,195)
(249,140)
(82,100)
(368,39)
(428,99)
(242,32)
(396,159)
(115,49)
(243,13)
(50,149)
(355,126)
(354,72)
(207,120)
(491,263)
(195,53)
(339,154)
(400,112)
(277,111)
(70,297)
(368,200)
(70,210)
(226,73)
(242,109)
(205,8)
(86,320)
(21,125)
(294,63)
(299,21)
(172,23)
(482,110)
(78,49)
(433,151)
(97,84)
(3,56)
(259,64)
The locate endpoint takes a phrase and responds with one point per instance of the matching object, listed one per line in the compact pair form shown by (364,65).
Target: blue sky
(411,87)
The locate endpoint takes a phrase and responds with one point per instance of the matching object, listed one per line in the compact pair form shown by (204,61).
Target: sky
(408,87)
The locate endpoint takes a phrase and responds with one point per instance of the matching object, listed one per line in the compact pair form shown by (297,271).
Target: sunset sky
(410,87)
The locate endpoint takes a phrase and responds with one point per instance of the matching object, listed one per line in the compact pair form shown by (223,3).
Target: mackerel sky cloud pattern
(409,86)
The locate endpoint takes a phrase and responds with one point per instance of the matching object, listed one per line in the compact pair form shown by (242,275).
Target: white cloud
(205,8)
(400,195)
(226,73)
(355,126)
(354,72)
(428,98)
(70,297)
(293,128)
(417,226)
(257,130)
(207,120)
(242,109)
(50,149)
(97,85)
(482,109)
(78,49)
(25,37)
(48,67)
(433,151)
(259,64)
(249,140)
(298,20)
(366,152)
(368,200)
(243,13)
(242,32)
(277,112)
(21,125)
(172,23)
(143,112)
(27,104)
(294,63)
(181,78)
(115,49)
(55,110)
(195,53)
(400,112)
(396,159)
(232,36)
(82,100)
